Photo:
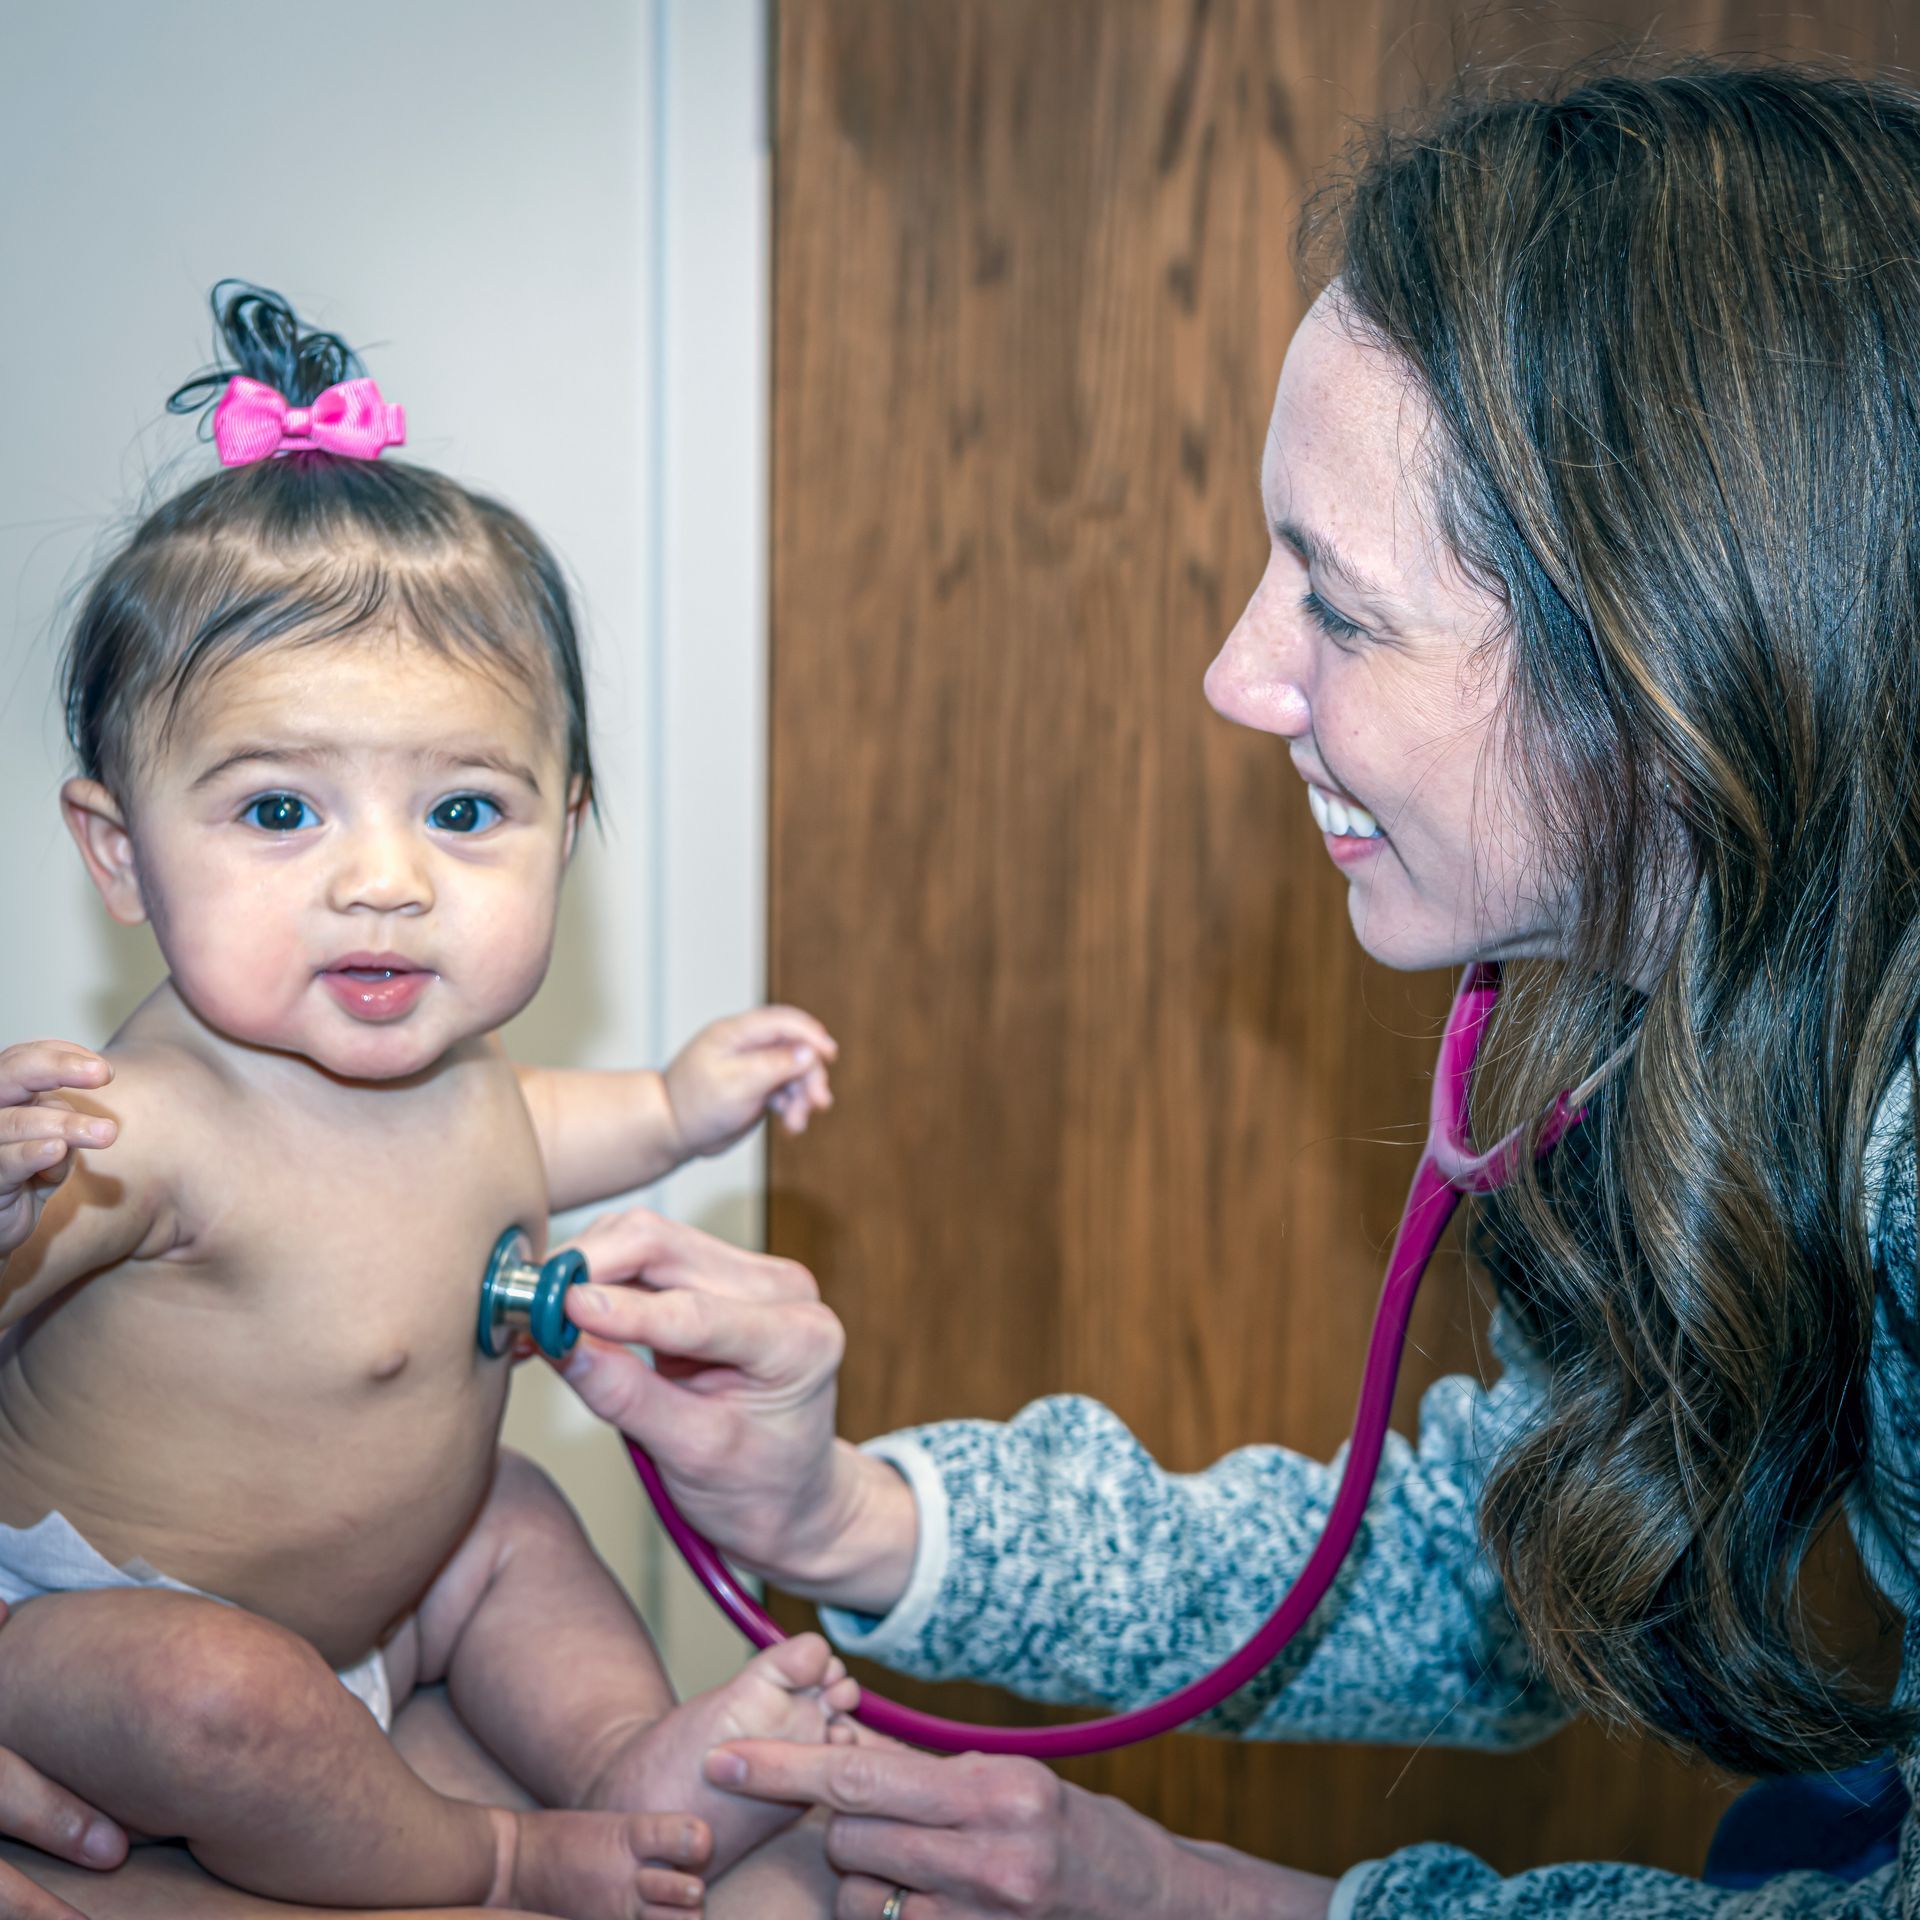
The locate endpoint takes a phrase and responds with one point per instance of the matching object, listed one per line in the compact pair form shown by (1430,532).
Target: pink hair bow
(254,422)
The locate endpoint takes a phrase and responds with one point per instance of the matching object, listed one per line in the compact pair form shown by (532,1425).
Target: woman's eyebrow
(1318,551)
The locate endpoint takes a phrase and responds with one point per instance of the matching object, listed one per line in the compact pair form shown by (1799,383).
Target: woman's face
(1365,648)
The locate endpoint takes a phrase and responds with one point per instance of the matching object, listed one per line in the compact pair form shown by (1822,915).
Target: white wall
(545,227)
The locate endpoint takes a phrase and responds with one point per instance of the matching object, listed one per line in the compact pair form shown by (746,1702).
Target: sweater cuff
(1346,1890)
(898,1630)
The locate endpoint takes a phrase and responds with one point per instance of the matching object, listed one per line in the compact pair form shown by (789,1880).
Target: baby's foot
(796,1690)
(585,1866)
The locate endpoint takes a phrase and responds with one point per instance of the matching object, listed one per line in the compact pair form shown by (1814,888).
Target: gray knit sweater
(1057,1559)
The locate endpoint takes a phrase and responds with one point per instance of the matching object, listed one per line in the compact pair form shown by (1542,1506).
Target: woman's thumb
(611,1379)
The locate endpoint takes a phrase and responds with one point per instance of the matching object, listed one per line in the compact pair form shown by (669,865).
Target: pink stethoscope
(1448,1169)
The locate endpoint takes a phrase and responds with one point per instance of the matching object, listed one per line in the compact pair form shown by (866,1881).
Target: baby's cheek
(247,979)
(507,962)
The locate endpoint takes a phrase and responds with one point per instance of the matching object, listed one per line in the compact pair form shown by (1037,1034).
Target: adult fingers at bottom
(44,1815)
(860,1898)
(20,1899)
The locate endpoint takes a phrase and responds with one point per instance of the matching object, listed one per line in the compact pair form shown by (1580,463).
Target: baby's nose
(381,872)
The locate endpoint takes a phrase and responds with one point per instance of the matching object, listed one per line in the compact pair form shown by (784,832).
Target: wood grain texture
(1123,1109)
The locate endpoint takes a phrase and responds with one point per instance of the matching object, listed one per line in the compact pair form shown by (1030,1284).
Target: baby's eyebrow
(479,755)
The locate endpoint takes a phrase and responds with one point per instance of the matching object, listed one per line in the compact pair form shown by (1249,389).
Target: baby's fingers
(782,1026)
(39,1066)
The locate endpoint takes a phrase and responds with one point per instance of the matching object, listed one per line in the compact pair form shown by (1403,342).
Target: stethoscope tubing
(1430,1205)
(1448,1169)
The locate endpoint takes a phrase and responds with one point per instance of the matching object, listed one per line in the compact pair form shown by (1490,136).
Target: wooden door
(1123,1110)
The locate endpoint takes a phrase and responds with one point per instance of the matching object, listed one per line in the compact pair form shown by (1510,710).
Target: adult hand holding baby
(46,1816)
(39,1131)
(38,1135)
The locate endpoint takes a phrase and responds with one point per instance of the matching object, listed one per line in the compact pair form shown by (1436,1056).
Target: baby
(330,719)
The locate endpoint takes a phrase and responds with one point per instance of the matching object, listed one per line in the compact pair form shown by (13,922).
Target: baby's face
(353,851)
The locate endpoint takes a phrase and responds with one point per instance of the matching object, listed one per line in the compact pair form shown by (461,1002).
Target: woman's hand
(738,1412)
(994,1837)
(34,1810)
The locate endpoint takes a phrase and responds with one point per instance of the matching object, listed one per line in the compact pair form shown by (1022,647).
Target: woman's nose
(381,871)
(1257,678)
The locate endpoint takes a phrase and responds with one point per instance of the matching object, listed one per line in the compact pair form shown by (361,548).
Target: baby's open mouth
(375,986)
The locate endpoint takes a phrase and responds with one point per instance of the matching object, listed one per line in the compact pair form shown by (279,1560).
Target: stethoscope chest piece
(518,1296)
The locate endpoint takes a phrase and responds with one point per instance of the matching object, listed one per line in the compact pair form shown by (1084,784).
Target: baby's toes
(664,1892)
(842,1733)
(842,1696)
(796,1663)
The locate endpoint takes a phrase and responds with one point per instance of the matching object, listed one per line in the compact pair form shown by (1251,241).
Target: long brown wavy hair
(1668,322)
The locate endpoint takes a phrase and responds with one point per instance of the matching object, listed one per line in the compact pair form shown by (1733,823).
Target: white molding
(708,401)
(712,296)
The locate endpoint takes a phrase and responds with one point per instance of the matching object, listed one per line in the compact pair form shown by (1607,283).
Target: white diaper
(51,1557)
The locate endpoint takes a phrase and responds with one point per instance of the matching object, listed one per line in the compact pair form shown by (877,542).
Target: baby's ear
(576,811)
(99,830)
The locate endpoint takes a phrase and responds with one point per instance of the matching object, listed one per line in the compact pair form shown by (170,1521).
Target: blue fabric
(1846,1825)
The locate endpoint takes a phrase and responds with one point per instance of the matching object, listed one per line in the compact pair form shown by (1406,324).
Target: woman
(1589,623)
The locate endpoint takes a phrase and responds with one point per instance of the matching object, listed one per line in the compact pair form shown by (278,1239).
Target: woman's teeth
(1342,816)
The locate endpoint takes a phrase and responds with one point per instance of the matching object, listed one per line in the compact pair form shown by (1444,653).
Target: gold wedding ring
(895,1901)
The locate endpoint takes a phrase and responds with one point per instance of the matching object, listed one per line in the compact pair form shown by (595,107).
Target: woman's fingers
(667,1255)
(662,1416)
(858,1898)
(792,1342)
(887,1785)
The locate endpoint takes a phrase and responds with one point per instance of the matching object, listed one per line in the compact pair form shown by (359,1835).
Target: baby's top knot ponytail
(295,390)
(261,337)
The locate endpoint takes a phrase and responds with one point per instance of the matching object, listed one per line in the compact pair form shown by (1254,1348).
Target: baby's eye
(464,813)
(280,812)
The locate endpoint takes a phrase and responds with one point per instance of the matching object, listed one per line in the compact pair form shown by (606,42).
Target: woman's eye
(1336,626)
(464,813)
(280,812)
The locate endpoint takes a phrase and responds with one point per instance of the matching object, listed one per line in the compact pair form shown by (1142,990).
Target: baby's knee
(211,1683)
(227,1689)
(526,1498)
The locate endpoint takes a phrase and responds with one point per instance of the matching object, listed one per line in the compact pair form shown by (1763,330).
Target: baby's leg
(182,1717)
(547,1663)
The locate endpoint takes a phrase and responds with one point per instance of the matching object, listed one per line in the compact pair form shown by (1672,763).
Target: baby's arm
(61,1216)
(603,1134)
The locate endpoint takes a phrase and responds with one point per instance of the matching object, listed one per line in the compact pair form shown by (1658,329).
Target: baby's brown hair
(304,548)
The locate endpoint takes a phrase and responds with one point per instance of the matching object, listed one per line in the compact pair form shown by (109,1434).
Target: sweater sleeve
(1057,1559)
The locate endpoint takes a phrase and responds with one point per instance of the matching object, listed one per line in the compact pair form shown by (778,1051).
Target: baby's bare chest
(372,1244)
(289,1405)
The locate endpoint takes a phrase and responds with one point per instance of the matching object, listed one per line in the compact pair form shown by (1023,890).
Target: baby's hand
(39,1131)
(729,1074)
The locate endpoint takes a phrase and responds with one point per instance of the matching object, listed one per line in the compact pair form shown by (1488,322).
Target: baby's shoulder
(165,1101)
